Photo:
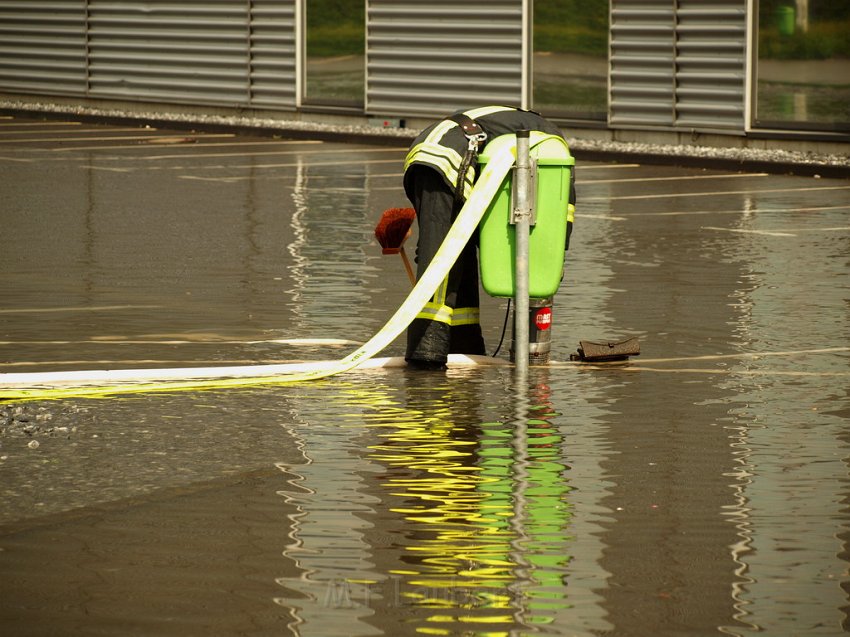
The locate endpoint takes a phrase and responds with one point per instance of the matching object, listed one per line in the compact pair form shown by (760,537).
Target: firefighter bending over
(439,173)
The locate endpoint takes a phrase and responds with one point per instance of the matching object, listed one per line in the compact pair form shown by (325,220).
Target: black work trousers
(449,323)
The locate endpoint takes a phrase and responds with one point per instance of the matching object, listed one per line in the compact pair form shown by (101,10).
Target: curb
(583,150)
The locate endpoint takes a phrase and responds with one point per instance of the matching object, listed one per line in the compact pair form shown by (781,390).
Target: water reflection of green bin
(785,19)
(548,236)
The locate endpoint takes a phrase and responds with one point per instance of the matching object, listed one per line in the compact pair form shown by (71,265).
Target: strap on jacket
(476,137)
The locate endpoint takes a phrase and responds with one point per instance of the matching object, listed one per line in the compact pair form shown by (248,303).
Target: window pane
(804,64)
(335,52)
(570,45)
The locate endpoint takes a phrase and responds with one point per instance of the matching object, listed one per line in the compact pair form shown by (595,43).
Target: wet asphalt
(113,212)
(128,246)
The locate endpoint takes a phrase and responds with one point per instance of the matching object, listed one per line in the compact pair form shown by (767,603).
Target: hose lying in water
(100,383)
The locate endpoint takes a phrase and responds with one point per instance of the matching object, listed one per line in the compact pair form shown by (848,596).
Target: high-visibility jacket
(449,322)
(443,145)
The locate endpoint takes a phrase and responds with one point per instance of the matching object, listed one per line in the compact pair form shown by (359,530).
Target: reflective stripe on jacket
(442,146)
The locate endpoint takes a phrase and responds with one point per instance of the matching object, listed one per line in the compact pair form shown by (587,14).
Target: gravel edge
(767,160)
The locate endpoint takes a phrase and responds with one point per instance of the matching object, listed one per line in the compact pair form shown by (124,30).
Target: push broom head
(394,228)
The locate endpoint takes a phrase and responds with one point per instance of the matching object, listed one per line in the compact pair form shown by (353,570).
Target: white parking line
(101,139)
(583,216)
(738,211)
(223,180)
(769,233)
(178,154)
(833,229)
(307,164)
(250,166)
(679,178)
(76,131)
(39,124)
(92,308)
(728,372)
(176,147)
(327,151)
(607,167)
(289,165)
(717,193)
(749,355)
(107,169)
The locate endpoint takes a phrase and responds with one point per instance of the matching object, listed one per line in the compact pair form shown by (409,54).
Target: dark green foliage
(823,40)
(571,26)
(818,9)
(827,36)
(335,27)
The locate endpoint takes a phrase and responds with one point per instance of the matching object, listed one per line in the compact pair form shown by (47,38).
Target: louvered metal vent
(710,64)
(193,51)
(642,44)
(43,46)
(433,58)
(273,53)
(200,52)
(678,63)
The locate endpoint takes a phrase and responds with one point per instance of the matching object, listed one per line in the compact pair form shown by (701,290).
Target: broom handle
(409,269)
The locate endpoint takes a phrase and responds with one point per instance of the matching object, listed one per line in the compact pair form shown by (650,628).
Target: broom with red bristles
(393,230)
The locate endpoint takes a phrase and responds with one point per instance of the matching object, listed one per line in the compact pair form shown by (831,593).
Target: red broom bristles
(392,231)
(394,228)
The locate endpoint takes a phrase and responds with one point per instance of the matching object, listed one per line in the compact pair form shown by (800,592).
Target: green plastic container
(547,237)
(786,18)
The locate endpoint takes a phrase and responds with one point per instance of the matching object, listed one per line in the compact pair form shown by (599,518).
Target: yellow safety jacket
(443,145)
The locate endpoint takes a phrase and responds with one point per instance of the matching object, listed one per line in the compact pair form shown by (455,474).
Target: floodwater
(698,489)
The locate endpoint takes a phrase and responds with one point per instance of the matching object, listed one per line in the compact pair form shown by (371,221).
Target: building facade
(728,68)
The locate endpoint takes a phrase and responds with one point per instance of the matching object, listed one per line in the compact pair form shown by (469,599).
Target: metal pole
(522,221)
